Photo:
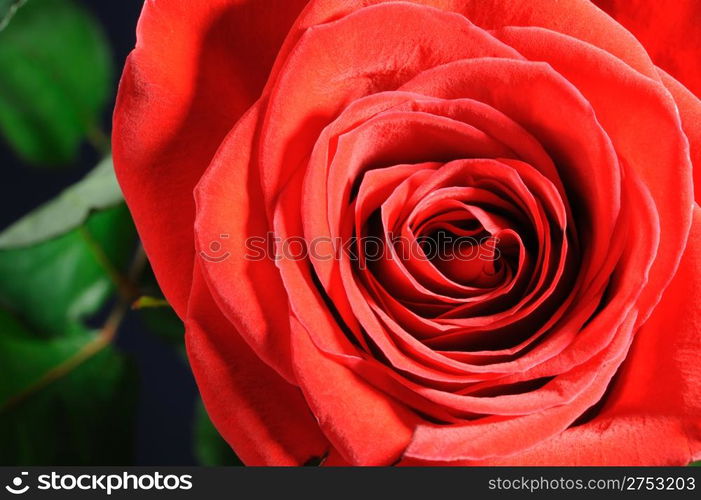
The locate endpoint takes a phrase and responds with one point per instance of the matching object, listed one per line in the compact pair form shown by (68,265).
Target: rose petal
(241,273)
(364,425)
(655,148)
(262,417)
(690,112)
(670,32)
(651,416)
(176,103)
(498,437)
(329,68)
(578,18)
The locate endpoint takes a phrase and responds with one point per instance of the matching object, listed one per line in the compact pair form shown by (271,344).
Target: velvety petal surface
(177,101)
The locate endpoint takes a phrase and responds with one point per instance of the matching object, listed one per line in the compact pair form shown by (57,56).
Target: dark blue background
(168,392)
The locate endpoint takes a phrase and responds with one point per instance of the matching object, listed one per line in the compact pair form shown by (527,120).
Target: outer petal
(241,274)
(264,419)
(196,67)
(690,112)
(475,440)
(577,18)
(670,31)
(366,426)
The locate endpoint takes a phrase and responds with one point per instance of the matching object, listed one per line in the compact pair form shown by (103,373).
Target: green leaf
(695,464)
(55,79)
(55,284)
(85,418)
(210,447)
(65,393)
(98,190)
(7,10)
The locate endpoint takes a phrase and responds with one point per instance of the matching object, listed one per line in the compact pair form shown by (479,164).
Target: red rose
(330,145)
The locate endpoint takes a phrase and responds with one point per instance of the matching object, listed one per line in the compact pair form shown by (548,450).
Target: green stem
(124,285)
(103,339)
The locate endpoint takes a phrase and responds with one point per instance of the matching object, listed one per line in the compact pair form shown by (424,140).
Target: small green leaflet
(97,191)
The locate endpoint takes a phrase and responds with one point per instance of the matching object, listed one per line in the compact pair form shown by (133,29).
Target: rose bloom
(539,133)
